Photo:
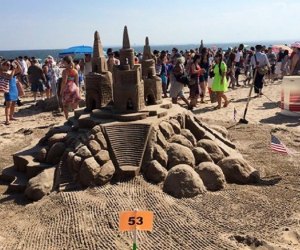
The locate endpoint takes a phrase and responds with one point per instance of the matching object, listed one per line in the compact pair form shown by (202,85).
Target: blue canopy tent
(76,50)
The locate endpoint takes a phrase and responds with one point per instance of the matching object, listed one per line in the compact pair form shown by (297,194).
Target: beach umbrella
(76,50)
(276,48)
(295,45)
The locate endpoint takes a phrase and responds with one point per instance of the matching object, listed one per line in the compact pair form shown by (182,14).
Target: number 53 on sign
(136,220)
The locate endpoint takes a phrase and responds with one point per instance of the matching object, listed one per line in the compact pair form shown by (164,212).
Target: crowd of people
(203,70)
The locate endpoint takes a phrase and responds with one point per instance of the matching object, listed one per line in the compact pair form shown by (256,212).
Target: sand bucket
(290,96)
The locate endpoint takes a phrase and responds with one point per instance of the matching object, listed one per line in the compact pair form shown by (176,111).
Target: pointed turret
(201,45)
(98,49)
(126,42)
(99,64)
(147,50)
(126,53)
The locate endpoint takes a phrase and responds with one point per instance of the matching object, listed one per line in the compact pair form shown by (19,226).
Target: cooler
(290,96)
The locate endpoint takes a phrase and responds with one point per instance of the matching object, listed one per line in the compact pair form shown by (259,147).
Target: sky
(58,24)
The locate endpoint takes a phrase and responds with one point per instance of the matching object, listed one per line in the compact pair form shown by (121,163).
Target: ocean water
(42,54)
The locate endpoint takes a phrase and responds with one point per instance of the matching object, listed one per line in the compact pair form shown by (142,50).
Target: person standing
(238,61)
(272,59)
(261,65)
(69,90)
(220,85)
(37,79)
(111,61)
(195,74)
(8,79)
(203,78)
(295,62)
(48,76)
(176,89)
(164,73)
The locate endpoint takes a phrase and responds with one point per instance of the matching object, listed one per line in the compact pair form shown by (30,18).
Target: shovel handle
(250,92)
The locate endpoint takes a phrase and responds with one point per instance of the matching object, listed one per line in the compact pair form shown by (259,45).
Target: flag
(278,146)
(234,114)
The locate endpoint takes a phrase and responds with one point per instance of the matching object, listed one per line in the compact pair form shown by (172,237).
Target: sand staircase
(128,144)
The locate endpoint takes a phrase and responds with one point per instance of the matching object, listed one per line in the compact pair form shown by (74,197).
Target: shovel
(243,120)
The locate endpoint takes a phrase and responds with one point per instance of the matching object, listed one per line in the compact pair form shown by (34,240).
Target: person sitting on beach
(220,85)
(259,61)
(8,85)
(37,79)
(69,90)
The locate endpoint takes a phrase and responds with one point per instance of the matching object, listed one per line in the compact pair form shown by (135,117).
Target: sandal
(6,123)
(217,107)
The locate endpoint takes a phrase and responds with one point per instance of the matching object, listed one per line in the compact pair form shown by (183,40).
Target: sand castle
(99,81)
(127,132)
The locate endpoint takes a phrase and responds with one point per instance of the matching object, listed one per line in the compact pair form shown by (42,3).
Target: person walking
(220,85)
(37,79)
(261,64)
(69,90)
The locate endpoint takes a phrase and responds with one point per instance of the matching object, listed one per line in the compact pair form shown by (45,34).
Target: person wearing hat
(112,60)
(261,65)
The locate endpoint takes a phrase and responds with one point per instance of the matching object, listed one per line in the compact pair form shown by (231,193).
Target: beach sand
(262,216)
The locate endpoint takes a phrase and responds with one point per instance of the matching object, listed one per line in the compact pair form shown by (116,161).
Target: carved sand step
(128,143)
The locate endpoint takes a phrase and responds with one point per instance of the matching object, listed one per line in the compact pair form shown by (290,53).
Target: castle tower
(99,81)
(99,64)
(152,83)
(128,87)
(126,53)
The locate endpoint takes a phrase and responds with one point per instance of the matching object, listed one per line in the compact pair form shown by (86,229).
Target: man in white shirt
(238,63)
(261,64)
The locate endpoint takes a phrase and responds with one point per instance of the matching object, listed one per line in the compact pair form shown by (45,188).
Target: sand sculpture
(99,81)
(164,142)
(152,83)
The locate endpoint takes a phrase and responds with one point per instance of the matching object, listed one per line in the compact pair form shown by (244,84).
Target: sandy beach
(262,216)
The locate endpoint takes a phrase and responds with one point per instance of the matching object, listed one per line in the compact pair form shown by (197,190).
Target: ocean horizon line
(269,42)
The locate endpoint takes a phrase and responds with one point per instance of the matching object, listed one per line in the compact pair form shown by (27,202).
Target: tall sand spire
(126,43)
(98,48)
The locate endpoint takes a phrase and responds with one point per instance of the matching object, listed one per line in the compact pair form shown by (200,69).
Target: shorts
(37,86)
(164,79)
(204,77)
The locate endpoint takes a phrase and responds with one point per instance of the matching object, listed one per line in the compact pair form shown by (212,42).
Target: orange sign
(136,220)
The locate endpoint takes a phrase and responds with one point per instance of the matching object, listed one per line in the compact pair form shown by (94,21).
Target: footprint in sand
(291,237)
